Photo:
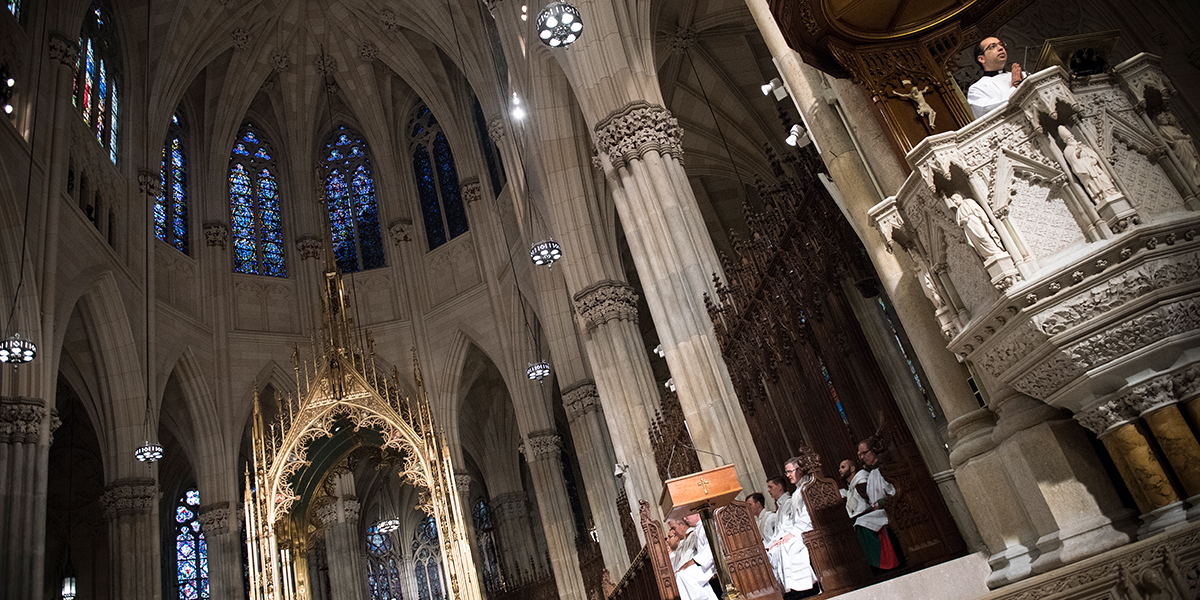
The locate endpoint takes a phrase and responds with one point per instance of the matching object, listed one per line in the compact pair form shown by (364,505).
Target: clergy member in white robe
(693,562)
(996,85)
(794,568)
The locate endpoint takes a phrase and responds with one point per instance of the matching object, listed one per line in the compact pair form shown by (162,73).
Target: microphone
(723,463)
(669,459)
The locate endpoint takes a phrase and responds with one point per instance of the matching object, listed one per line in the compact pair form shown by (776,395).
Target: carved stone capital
(581,399)
(129,497)
(1105,417)
(400,228)
(462,482)
(309,246)
(472,191)
(21,419)
(511,505)
(149,183)
(605,301)
(496,129)
(216,519)
(216,234)
(339,511)
(1149,396)
(64,51)
(541,445)
(636,129)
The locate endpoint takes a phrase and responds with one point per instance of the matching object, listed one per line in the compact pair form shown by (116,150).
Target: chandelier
(538,371)
(387,525)
(559,24)
(545,253)
(17,351)
(149,451)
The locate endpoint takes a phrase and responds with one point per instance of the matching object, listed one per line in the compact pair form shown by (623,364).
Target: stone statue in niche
(930,288)
(1085,163)
(979,230)
(917,97)
(1181,143)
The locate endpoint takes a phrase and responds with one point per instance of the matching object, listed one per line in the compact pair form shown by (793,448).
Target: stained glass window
(256,220)
(14,7)
(383,575)
(427,561)
(170,208)
(442,209)
(485,537)
(191,550)
(350,202)
(96,78)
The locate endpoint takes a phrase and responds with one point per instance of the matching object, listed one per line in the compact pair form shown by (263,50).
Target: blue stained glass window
(427,561)
(490,155)
(170,208)
(256,218)
(350,202)
(191,550)
(383,578)
(96,77)
(485,537)
(14,7)
(442,209)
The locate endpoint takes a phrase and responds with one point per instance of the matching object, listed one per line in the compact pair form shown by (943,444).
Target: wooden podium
(703,493)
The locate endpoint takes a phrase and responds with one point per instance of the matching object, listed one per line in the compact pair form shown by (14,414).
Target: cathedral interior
(747,230)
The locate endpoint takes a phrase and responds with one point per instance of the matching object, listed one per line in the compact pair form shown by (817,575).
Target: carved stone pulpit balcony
(1056,240)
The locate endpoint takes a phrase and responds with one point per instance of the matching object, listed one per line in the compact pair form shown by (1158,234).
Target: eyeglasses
(789,471)
(993,46)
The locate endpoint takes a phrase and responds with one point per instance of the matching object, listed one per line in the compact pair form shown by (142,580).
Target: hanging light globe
(149,452)
(545,253)
(538,371)
(387,525)
(68,586)
(17,351)
(559,24)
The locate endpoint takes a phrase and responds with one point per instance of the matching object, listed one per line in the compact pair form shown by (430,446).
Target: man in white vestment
(878,544)
(856,502)
(786,550)
(692,561)
(994,88)
(763,518)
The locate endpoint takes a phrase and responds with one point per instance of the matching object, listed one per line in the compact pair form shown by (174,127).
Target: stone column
(21,424)
(624,381)
(408,577)
(641,153)
(347,577)
(1178,444)
(519,553)
(596,463)
(462,483)
(221,526)
(318,568)
(133,537)
(543,454)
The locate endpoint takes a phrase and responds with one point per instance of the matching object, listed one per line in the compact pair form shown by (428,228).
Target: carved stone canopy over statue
(1182,144)
(1085,163)
(979,230)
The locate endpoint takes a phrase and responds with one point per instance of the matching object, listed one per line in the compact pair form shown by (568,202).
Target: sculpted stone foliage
(605,301)
(309,246)
(21,419)
(580,399)
(63,51)
(217,520)
(216,233)
(541,445)
(640,127)
(129,496)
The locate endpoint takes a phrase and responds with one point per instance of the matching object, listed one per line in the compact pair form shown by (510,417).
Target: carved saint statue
(980,233)
(1085,163)
(918,97)
(930,288)
(1181,143)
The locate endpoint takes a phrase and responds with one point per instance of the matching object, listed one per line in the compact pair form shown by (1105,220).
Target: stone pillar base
(1169,517)
(1013,564)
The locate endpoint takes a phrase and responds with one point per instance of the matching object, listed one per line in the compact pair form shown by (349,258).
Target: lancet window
(445,218)
(191,551)
(170,208)
(97,74)
(14,7)
(350,202)
(485,537)
(491,154)
(427,561)
(383,573)
(256,223)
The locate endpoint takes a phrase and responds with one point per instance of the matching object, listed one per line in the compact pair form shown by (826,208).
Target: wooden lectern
(703,493)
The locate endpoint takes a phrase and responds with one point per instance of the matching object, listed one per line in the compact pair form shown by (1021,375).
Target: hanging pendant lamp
(538,371)
(559,24)
(17,351)
(546,253)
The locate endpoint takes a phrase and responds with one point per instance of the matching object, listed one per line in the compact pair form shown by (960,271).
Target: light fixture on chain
(538,371)
(387,525)
(17,351)
(559,24)
(546,253)
(149,451)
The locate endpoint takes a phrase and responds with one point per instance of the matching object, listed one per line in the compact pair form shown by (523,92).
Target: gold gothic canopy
(338,382)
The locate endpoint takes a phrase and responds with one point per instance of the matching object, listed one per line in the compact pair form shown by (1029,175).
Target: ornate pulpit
(703,493)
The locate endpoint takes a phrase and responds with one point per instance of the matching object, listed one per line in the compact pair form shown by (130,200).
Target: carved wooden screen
(801,365)
(745,554)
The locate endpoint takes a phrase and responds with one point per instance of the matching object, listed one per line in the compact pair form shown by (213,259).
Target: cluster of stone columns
(24,427)
(131,509)
(1162,413)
